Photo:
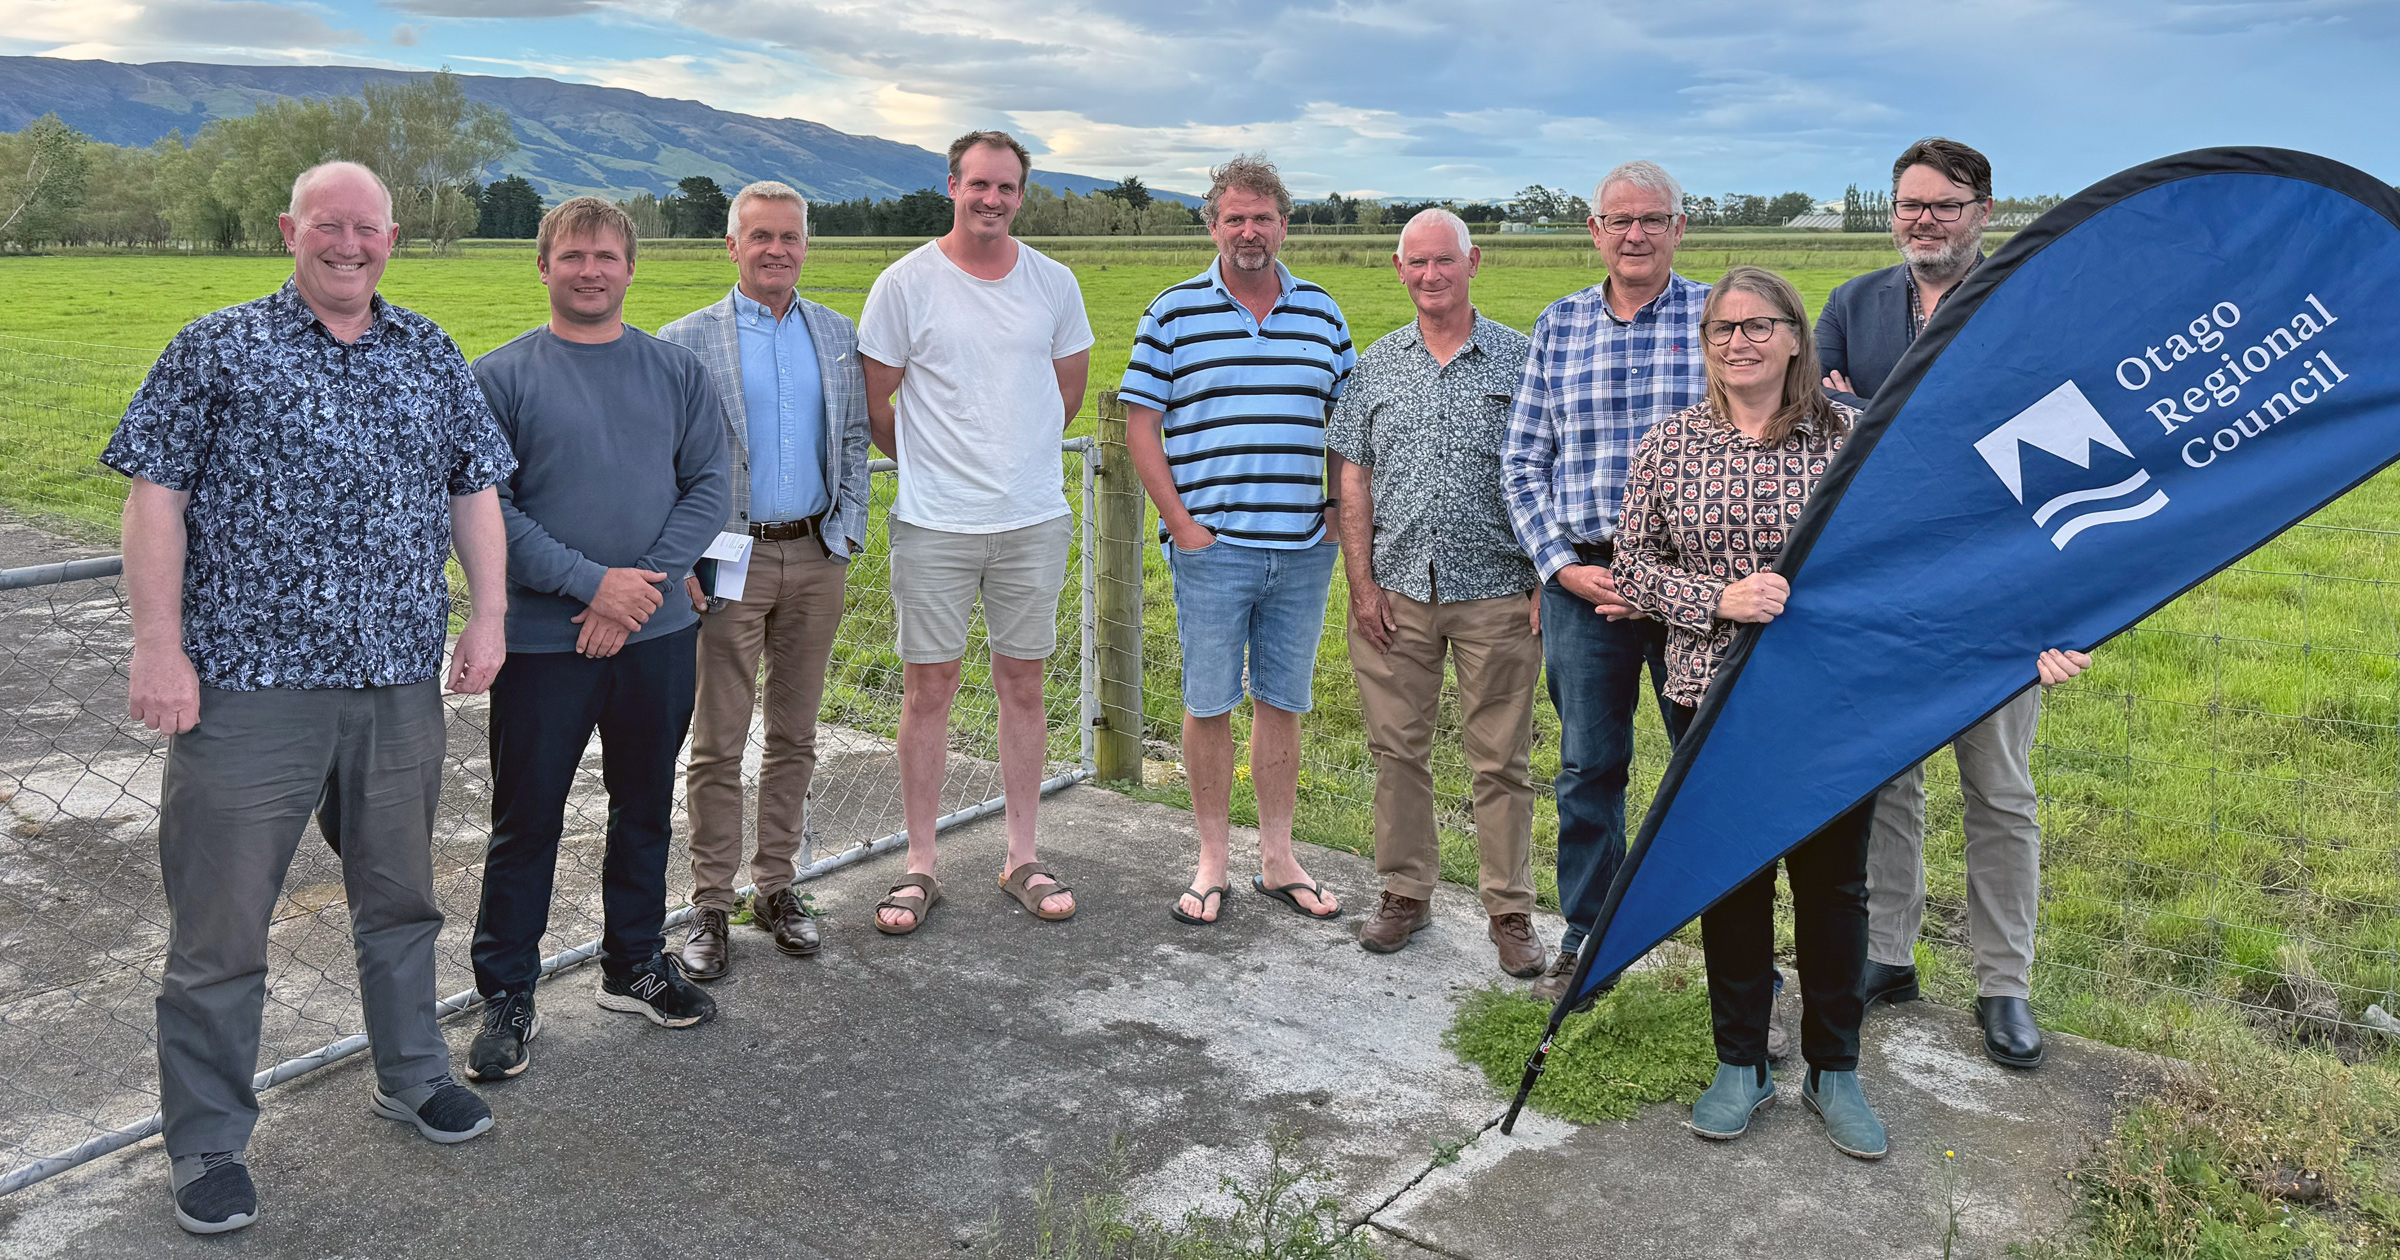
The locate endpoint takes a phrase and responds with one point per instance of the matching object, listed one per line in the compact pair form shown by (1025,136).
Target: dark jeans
(545,706)
(1829,920)
(1595,667)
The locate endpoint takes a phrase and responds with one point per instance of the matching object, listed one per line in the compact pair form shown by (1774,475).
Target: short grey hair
(322,171)
(1437,214)
(764,190)
(1648,175)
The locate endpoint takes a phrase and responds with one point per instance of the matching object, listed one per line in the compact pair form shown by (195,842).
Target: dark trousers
(238,791)
(1829,921)
(545,706)
(1595,667)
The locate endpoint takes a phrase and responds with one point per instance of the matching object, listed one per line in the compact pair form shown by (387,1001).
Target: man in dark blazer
(1941,202)
(795,411)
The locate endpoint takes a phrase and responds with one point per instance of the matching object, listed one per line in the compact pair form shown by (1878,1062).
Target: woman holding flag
(1708,502)
(1711,496)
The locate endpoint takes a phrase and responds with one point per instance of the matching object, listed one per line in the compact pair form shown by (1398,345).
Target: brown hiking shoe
(1521,952)
(708,950)
(1553,984)
(1396,918)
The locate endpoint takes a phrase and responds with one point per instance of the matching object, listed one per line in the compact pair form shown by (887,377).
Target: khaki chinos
(2003,853)
(790,607)
(1498,656)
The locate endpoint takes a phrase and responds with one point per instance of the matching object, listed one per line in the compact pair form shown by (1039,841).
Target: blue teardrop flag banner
(2151,381)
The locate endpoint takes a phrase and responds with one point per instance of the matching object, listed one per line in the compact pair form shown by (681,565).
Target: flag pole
(1567,1003)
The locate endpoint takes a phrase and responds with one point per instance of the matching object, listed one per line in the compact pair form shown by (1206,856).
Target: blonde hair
(1803,383)
(583,216)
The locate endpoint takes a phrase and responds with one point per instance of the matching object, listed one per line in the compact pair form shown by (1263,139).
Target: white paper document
(732,553)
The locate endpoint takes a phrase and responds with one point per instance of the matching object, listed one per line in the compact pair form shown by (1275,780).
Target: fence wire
(2220,794)
(83,921)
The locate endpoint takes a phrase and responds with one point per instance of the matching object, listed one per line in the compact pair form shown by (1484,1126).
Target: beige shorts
(937,574)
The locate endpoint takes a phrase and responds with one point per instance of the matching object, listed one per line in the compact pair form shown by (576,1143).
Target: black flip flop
(1220,892)
(1284,895)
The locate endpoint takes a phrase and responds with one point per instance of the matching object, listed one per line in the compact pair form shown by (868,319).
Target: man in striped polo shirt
(1232,376)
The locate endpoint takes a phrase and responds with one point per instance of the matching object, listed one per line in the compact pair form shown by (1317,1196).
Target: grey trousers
(239,789)
(2004,853)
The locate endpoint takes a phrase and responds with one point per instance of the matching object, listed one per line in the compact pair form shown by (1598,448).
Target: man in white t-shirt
(986,343)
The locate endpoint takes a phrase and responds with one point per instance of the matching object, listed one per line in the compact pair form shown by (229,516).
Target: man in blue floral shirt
(300,467)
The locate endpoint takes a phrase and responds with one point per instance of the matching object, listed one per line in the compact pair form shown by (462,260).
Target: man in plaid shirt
(1607,363)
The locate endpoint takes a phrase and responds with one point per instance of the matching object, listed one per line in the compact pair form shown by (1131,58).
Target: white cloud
(1415,96)
(134,30)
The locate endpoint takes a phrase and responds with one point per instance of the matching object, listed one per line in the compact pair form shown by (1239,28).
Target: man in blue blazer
(1941,202)
(795,409)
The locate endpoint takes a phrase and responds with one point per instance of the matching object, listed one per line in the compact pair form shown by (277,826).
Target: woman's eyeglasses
(1720,331)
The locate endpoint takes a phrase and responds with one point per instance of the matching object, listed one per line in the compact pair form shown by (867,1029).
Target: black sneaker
(509,1026)
(220,1200)
(452,1114)
(657,990)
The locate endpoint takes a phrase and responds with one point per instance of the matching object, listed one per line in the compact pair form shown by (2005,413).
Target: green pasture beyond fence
(2220,793)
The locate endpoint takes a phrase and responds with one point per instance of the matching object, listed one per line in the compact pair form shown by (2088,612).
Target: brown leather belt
(785,531)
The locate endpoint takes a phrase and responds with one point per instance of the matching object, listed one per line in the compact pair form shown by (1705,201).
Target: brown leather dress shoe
(1521,952)
(708,950)
(782,915)
(1396,918)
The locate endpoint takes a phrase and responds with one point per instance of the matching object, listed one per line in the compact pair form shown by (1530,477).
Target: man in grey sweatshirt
(622,482)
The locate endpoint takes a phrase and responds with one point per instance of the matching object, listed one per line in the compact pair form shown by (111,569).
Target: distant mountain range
(575,138)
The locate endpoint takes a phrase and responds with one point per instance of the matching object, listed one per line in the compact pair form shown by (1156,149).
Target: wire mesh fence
(2220,794)
(83,922)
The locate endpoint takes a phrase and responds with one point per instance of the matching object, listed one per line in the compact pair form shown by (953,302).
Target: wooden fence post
(1118,575)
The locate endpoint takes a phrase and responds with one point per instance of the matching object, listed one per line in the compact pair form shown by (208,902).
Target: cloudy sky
(1465,98)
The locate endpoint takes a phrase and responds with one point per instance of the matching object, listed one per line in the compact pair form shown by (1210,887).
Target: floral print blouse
(1706,506)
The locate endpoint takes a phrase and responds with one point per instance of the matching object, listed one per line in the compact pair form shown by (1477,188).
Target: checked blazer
(712,333)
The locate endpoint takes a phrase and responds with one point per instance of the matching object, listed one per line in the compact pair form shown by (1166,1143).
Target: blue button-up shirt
(1593,386)
(783,394)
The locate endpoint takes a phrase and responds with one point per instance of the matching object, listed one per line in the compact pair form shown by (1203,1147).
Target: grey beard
(1951,263)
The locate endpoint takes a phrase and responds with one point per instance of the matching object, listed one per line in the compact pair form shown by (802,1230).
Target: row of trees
(225,188)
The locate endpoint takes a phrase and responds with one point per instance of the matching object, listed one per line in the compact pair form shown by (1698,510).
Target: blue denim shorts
(1230,597)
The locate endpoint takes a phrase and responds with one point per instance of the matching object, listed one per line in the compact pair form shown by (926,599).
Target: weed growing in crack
(1287,1213)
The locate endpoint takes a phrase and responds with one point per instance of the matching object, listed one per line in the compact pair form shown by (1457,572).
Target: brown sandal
(917,907)
(1015,885)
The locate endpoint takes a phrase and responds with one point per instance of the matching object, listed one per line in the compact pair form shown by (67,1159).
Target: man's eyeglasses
(1652,224)
(1758,331)
(1942,211)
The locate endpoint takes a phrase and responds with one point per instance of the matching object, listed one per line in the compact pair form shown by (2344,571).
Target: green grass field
(2222,792)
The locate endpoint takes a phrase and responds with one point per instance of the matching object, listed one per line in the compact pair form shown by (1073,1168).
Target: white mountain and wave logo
(2065,424)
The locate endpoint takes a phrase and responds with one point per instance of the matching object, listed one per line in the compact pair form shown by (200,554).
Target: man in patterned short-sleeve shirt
(1435,571)
(301,464)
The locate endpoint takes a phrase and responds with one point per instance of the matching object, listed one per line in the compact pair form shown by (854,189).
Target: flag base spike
(1534,1063)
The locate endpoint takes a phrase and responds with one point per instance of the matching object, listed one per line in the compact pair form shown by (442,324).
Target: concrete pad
(1650,1188)
(894,1097)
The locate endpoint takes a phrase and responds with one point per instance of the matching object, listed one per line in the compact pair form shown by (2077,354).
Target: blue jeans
(1594,666)
(1229,597)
